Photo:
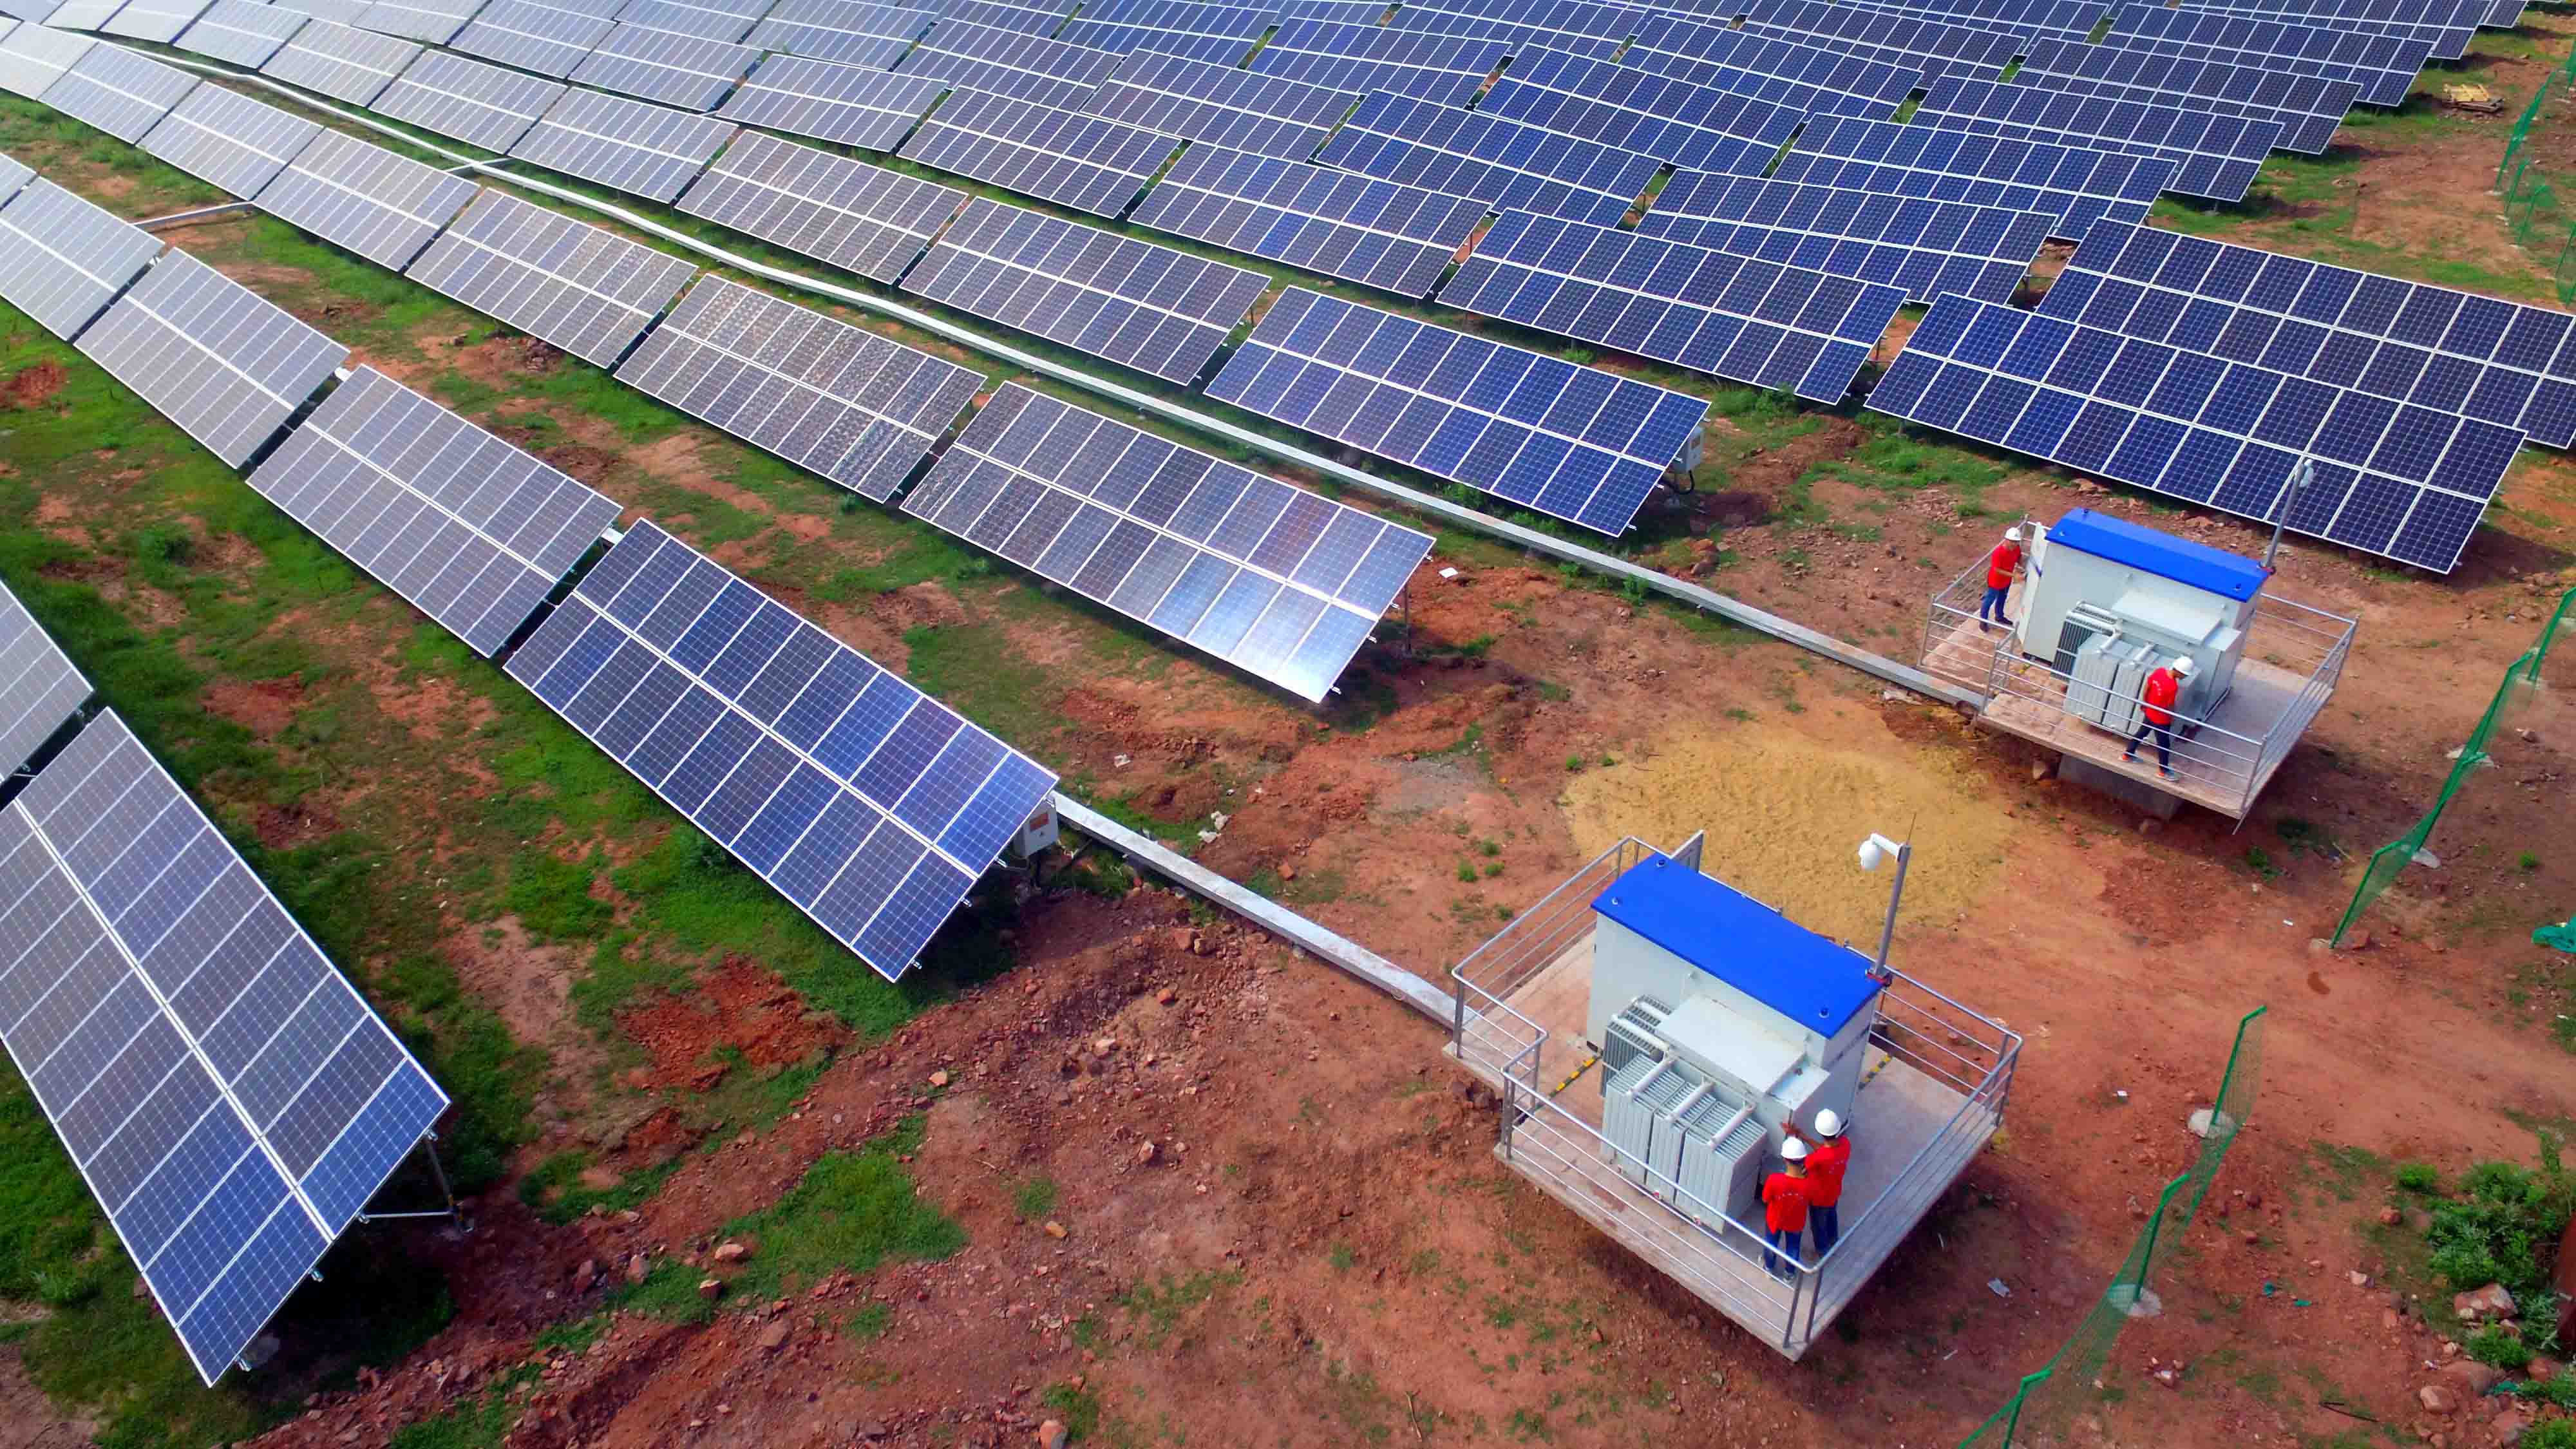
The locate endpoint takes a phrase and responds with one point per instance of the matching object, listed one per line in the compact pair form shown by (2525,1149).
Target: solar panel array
(1508,164)
(118,91)
(872,109)
(1926,247)
(431,21)
(649,150)
(688,71)
(1222,34)
(2077,185)
(1218,105)
(62,260)
(231,1102)
(860,218)
(1577,443)
(838,401)
(726,20)
(1909,40)
(1362,58)
(1810,78)
(81,14)
(2444,25)
(483,105)
(1580,27)
(158,21)
(1754,322)
(1697,128)
(365,198)
(241,32)
(582,289)
(1009,63)
(2218,155)
(344,12)
(1279,583)
(2385,66)
(227,138)
(1149,307)
(40,687)
(852,32)
(474,532)
(2390,478)
(1397,238)
(1085,162)
(869,805)
(550,39)
(225,364)
(2502,362)
(2308,108)
(1041,18)
(340,62)
(33,57)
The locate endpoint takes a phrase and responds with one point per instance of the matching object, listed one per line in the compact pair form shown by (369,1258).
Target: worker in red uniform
(1826,1161)
(2155,714)
(2001,566)
(1784,1210)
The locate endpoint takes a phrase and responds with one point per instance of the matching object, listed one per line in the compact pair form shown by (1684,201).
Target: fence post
(2028,1382)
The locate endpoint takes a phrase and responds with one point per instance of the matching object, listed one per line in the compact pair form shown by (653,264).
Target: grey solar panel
(344,12)
(241,32)
(1008,63)
(158,21)
(1218,105)
(13,174)
(871,109)
(1084,162)
(715,19)
(433,21)
(1447,69)
(2078,185)
(118,91)
(851,32)
(1509,164)
(339,61)
(226,365)
(688,71)
(550,39)
(480,104)
(844,403)
(33,57)
(2308,108)
(62,260)
(366,199)
(1399,238)
(474,532)
(870,806)
(860,218)
(1027,17)
(1149,307)
(40,687)
(82,14)
(1926,247)
(1697,128)
(1202,31)
(584,290)
(1579,27)
(649,150)
(229,139)
(2218,156)
(1578,443)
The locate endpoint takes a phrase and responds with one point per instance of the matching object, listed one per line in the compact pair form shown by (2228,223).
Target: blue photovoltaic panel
(2077,185)
(2308,108)
(1511,165)
(688,71)
(482,104)
(1578,27)
(1085,162)
(2445,25)
(851,32)
(860,218)
(1280,583)
(2385,66)
(1912,41)
(1697,128)
(1748,321)
(432,21)
(1009,63)
(119,91)
(366,199)
(1926,247)
(870,109)
(1362,58)
(2501,362)
(1028,17)
(2218,155)
(241,32)
(338,61)
(587,291)
(62,260)
(1399,238)
(1810,78)
(230,1100)
(222,362)
(2391,478)
(2010,17)
(340,12)
(1220,33)
(1577,443)
(548,38)
(727,20)
(1219,105)
(870,806)
(635,146)
(39,685)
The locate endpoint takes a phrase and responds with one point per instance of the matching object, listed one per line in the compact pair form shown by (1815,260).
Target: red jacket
(2000,564)
(1825,1164)
(1784,1203)
(2162,689)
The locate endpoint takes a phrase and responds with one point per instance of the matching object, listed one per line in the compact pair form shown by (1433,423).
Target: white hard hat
(1794,1150)
(2013,533)
(1829,1123)
(2182,666)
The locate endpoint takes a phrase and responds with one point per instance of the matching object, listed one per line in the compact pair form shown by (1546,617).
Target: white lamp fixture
(1873,851)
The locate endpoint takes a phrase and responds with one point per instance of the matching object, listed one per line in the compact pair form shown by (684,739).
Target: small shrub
(2529,862)
(1489,847)
(1574,764)
(1034,1198)
(1467,871)
(2551,1434)
(2492,1345)
(2418,1177)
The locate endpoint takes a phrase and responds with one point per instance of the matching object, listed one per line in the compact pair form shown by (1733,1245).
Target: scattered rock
(1054,1229)
(638,1268)
(2436,1399)
(2390,1217)
(1051,1434)
(939,1079)
(2358,1278)
(1165,997)
(585,1275)
(2543,1368)
(1146,1152)
(774,1337)
(711,1289)
(2492,1301)
(731,1252)
(1104,1046)
(2472,1377)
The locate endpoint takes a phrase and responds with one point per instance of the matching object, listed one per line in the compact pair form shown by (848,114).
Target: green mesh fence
(2521,681)
(2539,223)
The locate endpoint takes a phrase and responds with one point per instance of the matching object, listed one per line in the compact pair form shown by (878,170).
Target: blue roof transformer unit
(2107,600)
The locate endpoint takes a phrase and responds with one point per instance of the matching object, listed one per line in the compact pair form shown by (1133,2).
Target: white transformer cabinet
(2135,597)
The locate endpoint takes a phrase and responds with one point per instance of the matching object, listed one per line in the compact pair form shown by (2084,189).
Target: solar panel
(118,91)
(633,146)
(1926,247)
(2077,185)
(13,174)
(852,32)
(2218,156)
(841,402)
(2308,108)
(1919,42)
(432,21)
(81,14)
(2444,25)
(32,11)
(687,71)
(225,364)
(230,1101)
(872,109)
(40,687)
(1008,63)
(344,12)
(1334,12)
(1279,583)
(1577,27)
(483,105)
(1812,78)
(1510,164)
(158,21)
(869,805)
(229,139)
(860,218)
(582,289)
(1448,69)
(472,531)
(2432,347)
(1751,321)
(33,57)
(62,259)
(1396,238)
(1222,34)
(2391,478)
(1219,105)
(1149,307)
(1040,18)
(1084,162)
(241,32)
(1577,443)
(2385,66)
(340,62)
(550,39)
(2023,18)
(366,199)
(1697,128)
(726,20)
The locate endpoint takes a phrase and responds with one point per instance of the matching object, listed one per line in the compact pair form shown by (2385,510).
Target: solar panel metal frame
(1512,165)
(564,282)
(1595,28)
(1791,73)
(63,259)
(1219,33)
(1141,305)
(1226,560)
(33,57)
(1084,162)
(791,749)
(2308,108)
(365,199)
(1928,43)
(687,71)
(726,20)
(432,22)
(1698,128)
(1576,443)
(1447,69)
(848,32)
(2385,66)
(340,61)
(121,92)
(158,21)
(548,38)
(241,32)
(2219,155)
(634,146)
(2222,434)
(482,105)
(871,109)
(1219,106)
(226,138)
(1926,247)
(857,217)
(225,364)
(2076,184)
(1009,63)
(1310,217)
(40,687)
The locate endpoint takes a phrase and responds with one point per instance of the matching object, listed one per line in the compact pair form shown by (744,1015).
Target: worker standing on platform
(1825,1164)
(2002,567)
(1784,1210)
(2155,713)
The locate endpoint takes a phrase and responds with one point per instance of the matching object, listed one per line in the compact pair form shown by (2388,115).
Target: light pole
(1873,851)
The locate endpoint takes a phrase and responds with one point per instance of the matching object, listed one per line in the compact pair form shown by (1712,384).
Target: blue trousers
(1993,607)
(1785,1242)
(1828,1225)
(2164,741)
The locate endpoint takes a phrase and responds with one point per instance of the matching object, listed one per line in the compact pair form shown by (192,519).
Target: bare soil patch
(735,1014)
(35,384)
(264,707)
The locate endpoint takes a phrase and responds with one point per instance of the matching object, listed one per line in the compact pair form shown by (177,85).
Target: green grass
(1034,1197)
(481,1424)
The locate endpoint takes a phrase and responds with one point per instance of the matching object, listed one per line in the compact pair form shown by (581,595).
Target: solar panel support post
(427,1147)
(197,214)
(2300,477)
